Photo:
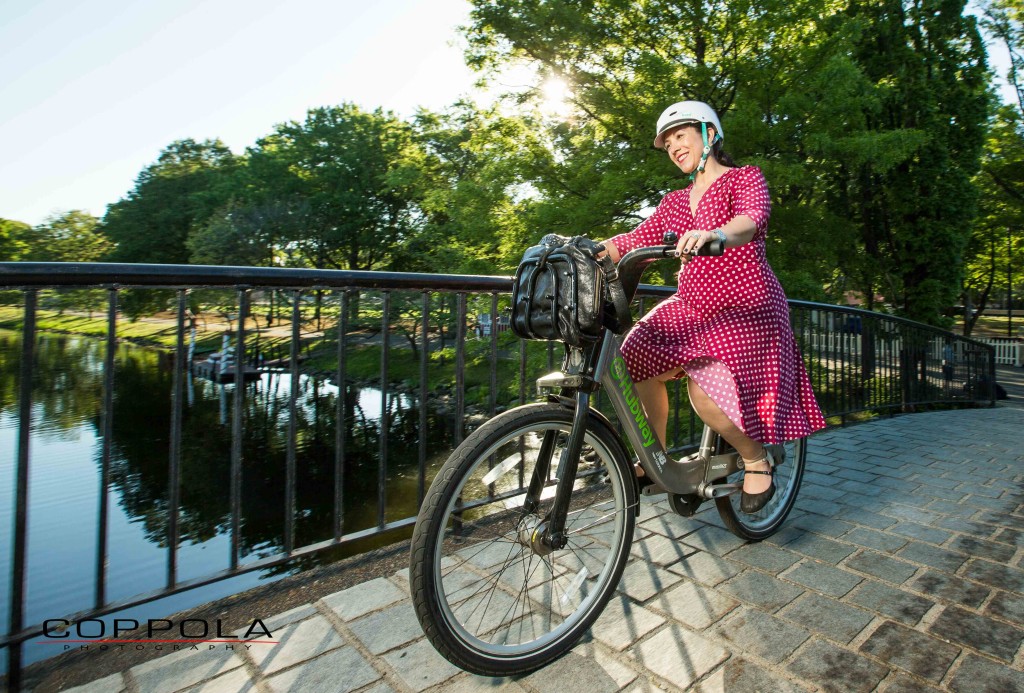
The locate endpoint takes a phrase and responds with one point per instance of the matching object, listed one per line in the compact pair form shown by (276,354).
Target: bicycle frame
(692,475)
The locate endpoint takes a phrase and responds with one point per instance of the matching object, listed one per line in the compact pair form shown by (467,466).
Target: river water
(64,482)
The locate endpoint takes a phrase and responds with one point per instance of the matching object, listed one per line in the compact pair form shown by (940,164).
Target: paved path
(903,570)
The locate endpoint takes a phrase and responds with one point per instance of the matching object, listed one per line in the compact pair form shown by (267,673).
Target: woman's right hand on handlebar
(691,242)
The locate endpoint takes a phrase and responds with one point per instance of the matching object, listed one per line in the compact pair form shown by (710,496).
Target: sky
(92,90)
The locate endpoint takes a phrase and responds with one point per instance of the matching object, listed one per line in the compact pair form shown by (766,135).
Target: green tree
(181,191)
(13,240)
(350,178)
(861,114)
(73,236)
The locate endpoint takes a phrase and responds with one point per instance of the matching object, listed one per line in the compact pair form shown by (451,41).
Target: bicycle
(513,557)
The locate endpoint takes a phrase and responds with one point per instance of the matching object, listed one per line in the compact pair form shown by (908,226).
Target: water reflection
(66,456)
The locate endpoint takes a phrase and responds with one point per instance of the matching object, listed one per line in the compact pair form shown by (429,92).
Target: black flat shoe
(752,502)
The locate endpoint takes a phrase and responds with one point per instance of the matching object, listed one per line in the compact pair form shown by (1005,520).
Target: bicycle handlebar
(632,265)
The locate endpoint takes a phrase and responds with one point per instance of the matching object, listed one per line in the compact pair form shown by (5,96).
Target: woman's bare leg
(748,448)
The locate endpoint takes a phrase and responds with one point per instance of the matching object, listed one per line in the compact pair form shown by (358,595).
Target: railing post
(18,561)
(237,423)
(181,361)
(385,415)
(106,433)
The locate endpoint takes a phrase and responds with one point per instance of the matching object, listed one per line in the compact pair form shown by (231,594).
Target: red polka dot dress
(728,324)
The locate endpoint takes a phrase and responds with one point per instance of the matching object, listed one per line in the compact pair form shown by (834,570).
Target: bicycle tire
(765,522)
(471,547)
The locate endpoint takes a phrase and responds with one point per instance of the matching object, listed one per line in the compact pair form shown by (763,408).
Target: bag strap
(623,316)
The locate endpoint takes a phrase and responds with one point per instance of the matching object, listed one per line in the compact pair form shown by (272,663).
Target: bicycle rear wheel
(490,597)
(787,476)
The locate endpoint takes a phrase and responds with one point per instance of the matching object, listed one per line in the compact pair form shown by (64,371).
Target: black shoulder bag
(560,291)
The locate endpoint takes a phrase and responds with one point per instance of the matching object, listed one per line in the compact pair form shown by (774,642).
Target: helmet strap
(707,150)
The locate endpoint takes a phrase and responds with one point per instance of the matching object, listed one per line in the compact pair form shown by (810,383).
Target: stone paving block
(388,628)
(1003,519)
(823,578)
(622,623)
(836,620)
(954,509)
(909,513)
(908,649)
(713,540)
(108,684)
(820,548)
(902,606)
(1000,505)
(995,575)
(977,489)
(296,642)
(825,526)
(660,550)
(340,670)
(979,674)
(471,683)
(862,489)
(936,481)
(978,530)
(679,656)
(183,669)
(706,568)
(574,672)
(901,683)
(855,475)
(895,485)
(768,558)
(950,588)
(866,518)
(288,617)
(1014,537)
(738,675)
(363,598)
(1007,606)
(993,551)
(420,666)
(762,590)
(818,506)
(235,681)
(835,669)
(820,479)
(875,540)
(933,556)
(980,632)
(914,530)
(642,580)
(788,533)
(820,492)
(753,631)
(693,605)
(881,566)
(671,525)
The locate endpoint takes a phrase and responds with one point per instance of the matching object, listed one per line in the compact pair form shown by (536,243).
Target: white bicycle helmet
(686,112)
(690,112)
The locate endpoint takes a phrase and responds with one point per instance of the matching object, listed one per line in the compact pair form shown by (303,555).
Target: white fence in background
(1009,352)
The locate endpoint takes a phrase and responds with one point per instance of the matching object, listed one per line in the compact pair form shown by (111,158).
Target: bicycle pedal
(684,504)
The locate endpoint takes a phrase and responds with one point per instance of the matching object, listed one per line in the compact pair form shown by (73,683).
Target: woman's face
(685,146)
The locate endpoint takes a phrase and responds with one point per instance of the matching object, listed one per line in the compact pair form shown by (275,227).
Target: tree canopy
(890,166)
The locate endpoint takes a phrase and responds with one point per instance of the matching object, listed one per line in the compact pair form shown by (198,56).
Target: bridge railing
(436,342)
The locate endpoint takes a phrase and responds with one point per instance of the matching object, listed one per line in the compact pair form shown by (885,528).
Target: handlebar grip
(715,247)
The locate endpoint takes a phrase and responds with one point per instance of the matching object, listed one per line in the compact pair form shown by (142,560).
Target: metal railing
(858,361)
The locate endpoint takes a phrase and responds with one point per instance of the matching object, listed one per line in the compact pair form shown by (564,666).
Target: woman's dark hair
(716,151)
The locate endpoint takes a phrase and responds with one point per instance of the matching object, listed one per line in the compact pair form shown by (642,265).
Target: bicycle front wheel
(787,475)
(490,596)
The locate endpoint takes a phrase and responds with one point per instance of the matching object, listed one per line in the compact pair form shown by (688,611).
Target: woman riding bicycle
(727,327)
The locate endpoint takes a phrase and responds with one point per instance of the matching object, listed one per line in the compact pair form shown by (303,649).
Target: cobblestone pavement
(902,569)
